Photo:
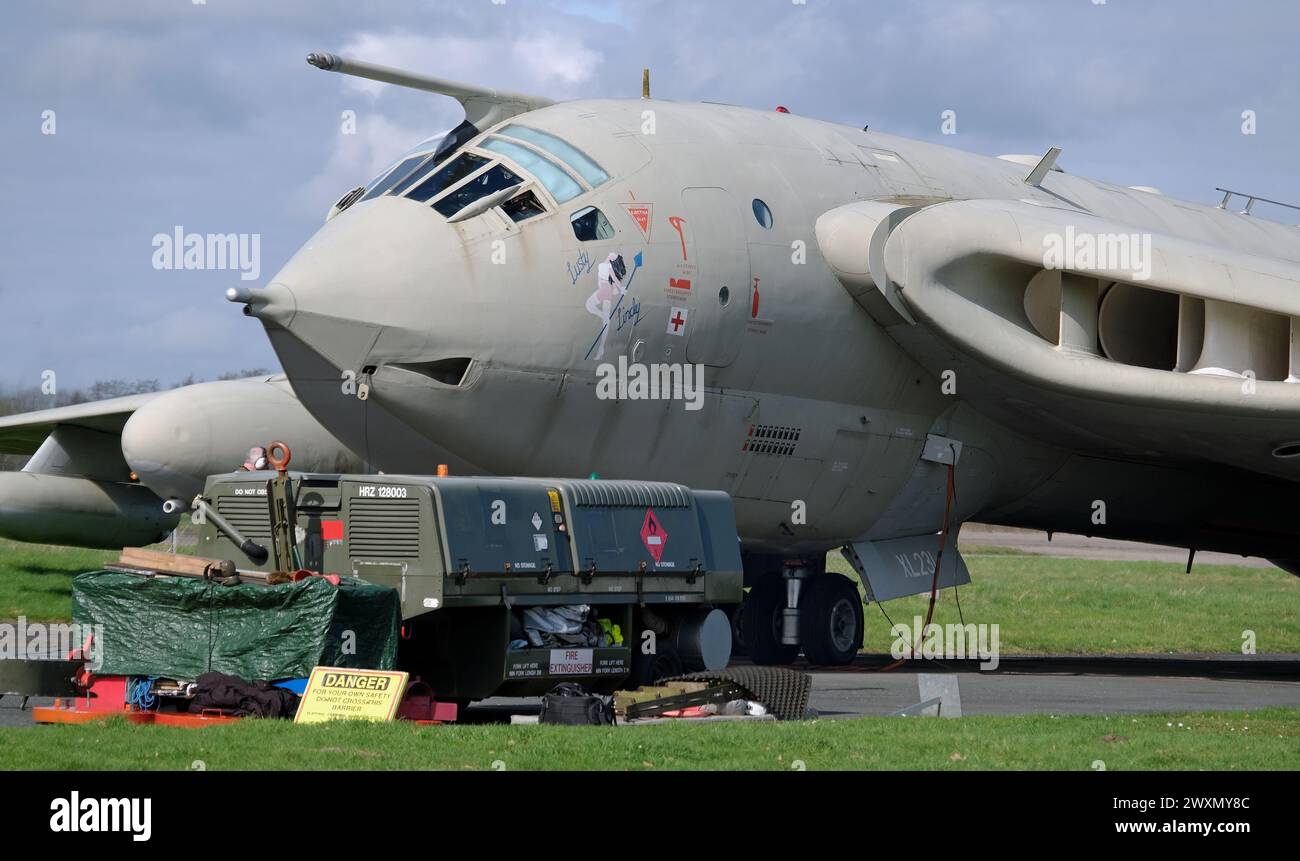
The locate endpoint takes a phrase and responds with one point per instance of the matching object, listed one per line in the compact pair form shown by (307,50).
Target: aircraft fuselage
(482,342)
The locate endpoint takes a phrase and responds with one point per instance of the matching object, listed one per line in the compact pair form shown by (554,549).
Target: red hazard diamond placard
(653,535)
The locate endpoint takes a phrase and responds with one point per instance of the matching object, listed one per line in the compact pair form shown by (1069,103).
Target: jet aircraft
(881,338)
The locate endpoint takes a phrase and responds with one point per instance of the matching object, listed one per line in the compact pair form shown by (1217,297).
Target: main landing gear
(797,604)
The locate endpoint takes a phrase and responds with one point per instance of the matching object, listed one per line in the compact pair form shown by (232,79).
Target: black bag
(570,704)
(243,699)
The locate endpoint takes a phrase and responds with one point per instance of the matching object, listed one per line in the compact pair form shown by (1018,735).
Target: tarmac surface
(1081,547)
(846,695)
(1040,685)
(1023,685)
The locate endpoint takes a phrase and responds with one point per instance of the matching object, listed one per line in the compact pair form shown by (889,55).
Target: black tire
(761,624)
(830,620)
(649,669)
(736,615)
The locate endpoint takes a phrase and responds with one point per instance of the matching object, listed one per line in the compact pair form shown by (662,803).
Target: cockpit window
(523,207)
(459,168)
(489,182)
(411,166)
(454,140)
(412,176)
(388,180)
(561,186)
(591,224)
(567,153)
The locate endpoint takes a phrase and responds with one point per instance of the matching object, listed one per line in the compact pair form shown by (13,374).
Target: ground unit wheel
(649,669)
(761,623)
(830,620)
(736,615)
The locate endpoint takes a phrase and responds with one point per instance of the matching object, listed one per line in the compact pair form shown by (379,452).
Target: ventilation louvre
(387,529)
(612,494)
(248,514)
(772,439)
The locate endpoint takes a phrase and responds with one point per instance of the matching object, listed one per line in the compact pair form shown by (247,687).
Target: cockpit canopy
(544,169)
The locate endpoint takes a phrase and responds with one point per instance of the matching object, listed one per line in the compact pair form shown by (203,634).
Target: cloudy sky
(205,115)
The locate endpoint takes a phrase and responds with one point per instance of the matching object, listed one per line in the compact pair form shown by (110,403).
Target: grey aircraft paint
(100,472)
(822,384)
(829,280)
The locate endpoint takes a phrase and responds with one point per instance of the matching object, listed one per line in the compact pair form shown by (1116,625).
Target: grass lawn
(1086,606)
(1268,739)
(36,579)
(1041,604)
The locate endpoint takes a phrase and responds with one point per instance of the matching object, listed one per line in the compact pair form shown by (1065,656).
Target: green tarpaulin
(180,628)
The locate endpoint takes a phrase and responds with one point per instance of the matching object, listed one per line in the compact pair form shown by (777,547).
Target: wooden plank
(622,699)
(176,564)
(171,562)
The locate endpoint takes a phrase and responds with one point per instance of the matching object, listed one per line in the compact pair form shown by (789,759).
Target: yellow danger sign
(337,694)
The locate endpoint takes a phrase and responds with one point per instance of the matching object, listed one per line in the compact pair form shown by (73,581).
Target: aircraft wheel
(830,620)
(761,624)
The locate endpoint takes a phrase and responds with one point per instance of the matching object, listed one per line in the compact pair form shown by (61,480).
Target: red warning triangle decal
(643,215)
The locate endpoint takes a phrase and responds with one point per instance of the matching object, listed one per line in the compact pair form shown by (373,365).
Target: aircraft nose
(368,274)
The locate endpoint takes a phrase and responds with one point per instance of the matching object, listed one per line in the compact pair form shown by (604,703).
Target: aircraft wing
(23,433)
(1183,358)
